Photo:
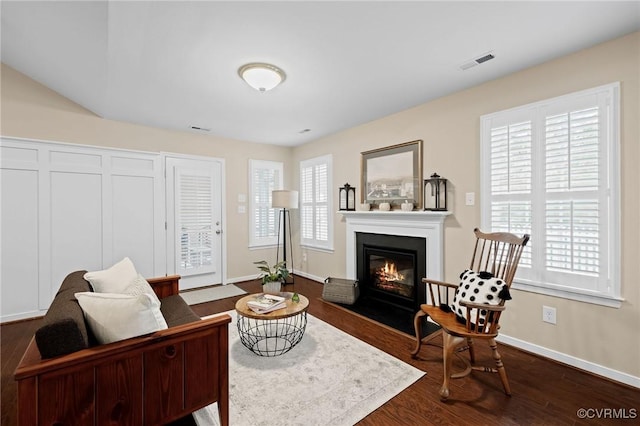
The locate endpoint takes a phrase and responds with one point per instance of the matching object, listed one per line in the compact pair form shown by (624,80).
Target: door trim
(170,261)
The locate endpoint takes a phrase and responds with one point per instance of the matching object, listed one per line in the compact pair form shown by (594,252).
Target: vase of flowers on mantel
(272,276)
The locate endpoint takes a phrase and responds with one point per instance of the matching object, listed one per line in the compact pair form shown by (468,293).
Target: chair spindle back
(498,253)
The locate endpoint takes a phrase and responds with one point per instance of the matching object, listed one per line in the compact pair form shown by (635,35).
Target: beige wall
(450,129)
(30,110)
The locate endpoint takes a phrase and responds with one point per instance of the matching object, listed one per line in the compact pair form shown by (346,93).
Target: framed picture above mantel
(392,175)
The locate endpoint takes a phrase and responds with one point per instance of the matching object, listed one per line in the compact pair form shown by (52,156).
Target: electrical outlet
(304,257)
(549,314)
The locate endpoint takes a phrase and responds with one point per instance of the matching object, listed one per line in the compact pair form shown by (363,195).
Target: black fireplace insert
(390,268)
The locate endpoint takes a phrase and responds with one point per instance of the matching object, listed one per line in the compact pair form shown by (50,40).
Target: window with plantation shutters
(549,169)
(195,222)
(572,181)
(510,180)
(316,203)
(264,177)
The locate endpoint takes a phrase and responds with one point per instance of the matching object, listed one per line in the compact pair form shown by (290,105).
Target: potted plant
(272,276)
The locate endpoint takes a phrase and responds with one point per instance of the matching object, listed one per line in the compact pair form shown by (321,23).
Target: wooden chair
(498,253)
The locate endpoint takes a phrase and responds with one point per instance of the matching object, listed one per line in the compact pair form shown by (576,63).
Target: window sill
(596,299)
(262,246)
(316,248)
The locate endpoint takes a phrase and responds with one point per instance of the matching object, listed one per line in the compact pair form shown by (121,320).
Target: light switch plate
(470,198)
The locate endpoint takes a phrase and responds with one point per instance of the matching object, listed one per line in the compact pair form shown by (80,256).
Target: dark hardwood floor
(544,392)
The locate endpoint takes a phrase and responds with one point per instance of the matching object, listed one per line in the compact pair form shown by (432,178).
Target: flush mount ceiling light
(260,76)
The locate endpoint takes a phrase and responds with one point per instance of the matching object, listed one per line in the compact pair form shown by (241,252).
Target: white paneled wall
(68,207)
(19,234)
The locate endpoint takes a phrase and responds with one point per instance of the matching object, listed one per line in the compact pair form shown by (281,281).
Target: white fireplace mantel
(426,224)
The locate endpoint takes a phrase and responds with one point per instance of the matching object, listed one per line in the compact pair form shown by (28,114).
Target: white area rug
(329,378)
(193,297)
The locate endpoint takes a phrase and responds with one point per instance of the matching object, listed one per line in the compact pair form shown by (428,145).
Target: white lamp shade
(284,198)
(262,77)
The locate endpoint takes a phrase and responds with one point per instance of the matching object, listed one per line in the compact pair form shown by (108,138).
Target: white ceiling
(173,64)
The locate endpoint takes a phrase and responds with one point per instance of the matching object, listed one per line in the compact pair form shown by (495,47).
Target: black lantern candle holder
(435,193)
(347,197)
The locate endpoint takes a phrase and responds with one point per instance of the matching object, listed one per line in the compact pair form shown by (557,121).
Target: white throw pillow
(113,317)
(141,286)
(114,279)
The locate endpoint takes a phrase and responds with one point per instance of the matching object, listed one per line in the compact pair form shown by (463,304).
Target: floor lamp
(285,200)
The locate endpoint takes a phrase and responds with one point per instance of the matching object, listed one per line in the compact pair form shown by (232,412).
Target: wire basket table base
(271,337)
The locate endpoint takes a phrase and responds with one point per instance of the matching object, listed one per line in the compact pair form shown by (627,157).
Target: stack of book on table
(264,303)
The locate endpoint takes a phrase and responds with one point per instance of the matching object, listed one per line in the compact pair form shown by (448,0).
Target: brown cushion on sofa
(176,311)
(64,330)
(59,338)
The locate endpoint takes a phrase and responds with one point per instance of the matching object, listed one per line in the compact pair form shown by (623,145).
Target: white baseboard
(255,277)
(309,276)
(589,366)
(22,316)
(241,279)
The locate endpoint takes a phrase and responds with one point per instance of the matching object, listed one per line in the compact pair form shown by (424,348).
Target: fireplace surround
(413,241)
(426,225)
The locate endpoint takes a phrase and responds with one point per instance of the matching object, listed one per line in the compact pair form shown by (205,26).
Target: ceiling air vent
(481,59)
(485,58)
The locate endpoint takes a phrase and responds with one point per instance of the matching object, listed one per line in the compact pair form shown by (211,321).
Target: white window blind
(195,222)
(549,169)
(316,203)
(264,177)
(572,181)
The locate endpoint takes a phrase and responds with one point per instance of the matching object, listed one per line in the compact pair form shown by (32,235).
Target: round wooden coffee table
(275,332)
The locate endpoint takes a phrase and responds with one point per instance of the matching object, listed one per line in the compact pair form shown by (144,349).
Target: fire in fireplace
(387,276)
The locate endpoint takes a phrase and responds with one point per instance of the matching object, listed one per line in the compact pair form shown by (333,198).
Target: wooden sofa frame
(147,380)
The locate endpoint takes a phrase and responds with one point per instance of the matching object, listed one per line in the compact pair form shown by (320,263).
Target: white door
(194,220)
